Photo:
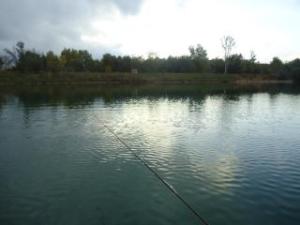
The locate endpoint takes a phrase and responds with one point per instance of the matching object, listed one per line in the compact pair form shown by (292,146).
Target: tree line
(71,60)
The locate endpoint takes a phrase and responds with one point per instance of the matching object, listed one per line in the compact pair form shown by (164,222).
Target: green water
(233,154)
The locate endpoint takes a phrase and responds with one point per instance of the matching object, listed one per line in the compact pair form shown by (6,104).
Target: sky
(164,27)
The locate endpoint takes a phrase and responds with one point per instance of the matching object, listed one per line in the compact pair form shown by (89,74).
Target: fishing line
(165,183)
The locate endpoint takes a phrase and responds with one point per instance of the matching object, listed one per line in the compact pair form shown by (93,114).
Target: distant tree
(97,66)
(154,64)
(250,65)
(216,65)
(181,64)
(253,64)
(295,69)
(276,65)
(186,65)
(24,60)
(13,56)
(52,62)
(20,48)
(31,61)
(76,60)
(199,56)
(227,43)
(136,63)
(252,57)
(291,70)
(198,52)
(152,55)
(264,68)
(85,59)
(1,62)
(108,61)
(235,63)
(124,64)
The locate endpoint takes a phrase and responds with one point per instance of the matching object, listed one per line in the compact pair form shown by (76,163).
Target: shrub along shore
(10,78)
(20,66)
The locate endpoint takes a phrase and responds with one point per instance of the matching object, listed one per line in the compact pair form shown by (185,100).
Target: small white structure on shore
(134,71)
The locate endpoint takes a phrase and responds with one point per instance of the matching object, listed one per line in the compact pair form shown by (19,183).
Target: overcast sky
(166,27)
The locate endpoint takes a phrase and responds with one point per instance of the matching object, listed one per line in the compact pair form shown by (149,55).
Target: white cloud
(168,27)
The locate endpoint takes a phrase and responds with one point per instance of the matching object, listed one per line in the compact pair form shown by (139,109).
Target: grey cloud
(130,7)
(55,24)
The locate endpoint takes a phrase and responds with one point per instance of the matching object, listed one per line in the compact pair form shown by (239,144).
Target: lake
(232,153)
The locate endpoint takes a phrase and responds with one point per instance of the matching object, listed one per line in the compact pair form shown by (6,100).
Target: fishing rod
(159,177)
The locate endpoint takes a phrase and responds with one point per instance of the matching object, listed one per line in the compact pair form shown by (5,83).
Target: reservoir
(233,155)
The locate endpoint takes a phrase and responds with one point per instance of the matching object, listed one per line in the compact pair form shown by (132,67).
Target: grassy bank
(69,79)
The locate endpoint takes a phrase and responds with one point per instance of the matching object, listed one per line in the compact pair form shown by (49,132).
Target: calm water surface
(235,156)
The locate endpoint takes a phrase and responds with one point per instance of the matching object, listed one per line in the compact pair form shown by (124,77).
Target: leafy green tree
(108,62)
(216,65)
(31,61)
(1,62)
(124,64)
(198,52)
(76,60)
(235,63)
(85,59)
(137,63)
(199,57)
(21,59)
(276,66)
(250,65)
(264,68)
(96,66)
(154,64)
(52,62)
(181,64)
(24,60)
(291,70)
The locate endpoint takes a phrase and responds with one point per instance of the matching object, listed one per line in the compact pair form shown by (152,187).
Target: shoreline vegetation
(11,78)
(21,66)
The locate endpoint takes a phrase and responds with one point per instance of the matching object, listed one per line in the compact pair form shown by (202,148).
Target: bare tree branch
(228,43)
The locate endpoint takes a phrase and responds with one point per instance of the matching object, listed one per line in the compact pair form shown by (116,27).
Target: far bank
(10,78)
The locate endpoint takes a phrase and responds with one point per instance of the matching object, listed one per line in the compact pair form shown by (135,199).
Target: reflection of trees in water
(2,102)
(85,96)
(26,116)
